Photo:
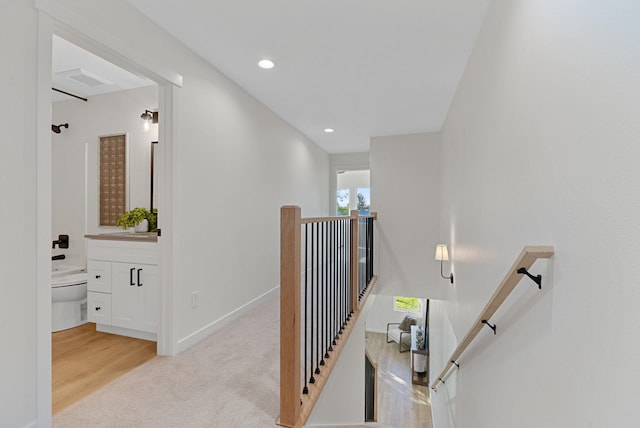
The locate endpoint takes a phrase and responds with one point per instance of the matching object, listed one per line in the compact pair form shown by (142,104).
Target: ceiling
(362,67)
(76,71)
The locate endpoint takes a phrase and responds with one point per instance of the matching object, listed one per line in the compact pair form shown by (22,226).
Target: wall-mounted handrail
(525,260)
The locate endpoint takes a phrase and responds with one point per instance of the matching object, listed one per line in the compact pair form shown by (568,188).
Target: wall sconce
(442,254)
(148,117)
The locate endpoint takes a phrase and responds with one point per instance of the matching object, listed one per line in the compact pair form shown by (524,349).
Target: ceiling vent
(84,77)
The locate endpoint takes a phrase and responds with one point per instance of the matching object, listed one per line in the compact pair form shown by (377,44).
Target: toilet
(68,297)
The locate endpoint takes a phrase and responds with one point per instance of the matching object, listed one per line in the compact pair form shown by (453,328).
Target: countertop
(126,236)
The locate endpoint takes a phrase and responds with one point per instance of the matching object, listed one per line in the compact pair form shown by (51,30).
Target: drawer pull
(131,276)
(139,283)
(98,276)
(98,308)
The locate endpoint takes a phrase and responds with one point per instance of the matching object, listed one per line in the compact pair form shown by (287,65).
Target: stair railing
(326,274)
(523,263)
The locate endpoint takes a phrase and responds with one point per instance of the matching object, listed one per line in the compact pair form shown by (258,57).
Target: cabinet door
(99,308)
(99,276)
(124,295)
(149,297)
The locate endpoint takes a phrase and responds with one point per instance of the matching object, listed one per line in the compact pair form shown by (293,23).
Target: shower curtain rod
(71,95)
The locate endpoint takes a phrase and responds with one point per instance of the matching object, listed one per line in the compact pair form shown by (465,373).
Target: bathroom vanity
(123,287)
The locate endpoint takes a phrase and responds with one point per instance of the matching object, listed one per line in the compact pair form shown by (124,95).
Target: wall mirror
(153,180)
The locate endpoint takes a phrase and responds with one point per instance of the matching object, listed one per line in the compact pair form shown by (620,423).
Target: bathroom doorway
(57,21)
(93,98)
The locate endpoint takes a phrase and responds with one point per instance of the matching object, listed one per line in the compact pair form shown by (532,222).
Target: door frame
(55,18)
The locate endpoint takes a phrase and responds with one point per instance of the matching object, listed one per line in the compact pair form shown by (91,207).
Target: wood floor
(400,403)
(85,360)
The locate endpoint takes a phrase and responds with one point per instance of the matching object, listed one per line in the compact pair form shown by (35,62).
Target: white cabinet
(99,307)
(134,302)
(123,287)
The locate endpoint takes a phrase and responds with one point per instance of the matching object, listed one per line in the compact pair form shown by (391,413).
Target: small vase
(143,226)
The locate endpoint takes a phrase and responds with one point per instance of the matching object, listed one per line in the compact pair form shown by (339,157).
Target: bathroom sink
(126,236)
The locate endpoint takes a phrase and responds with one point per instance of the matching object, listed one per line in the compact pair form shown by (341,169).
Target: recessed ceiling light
(328,130)
(266,64)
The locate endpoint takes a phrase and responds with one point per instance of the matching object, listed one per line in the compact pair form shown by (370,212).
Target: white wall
(405,191)
(236,163)
(353,179)
(75,162)
(18,112)
(342,399)
(382,313)
(541,147)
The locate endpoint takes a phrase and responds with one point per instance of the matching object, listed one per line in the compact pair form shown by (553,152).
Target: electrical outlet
(194,299)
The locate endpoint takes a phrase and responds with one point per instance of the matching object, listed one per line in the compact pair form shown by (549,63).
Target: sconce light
(148,117)
(442,254)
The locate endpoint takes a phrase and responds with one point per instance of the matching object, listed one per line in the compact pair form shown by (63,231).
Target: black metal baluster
(365,240)
(347,277)
(359,284)
(366,249)
(305,390)
(317,371)
(312,379)
(321,291)
(370,249)
(340,282)
(349,285)
(335,285)
(344,279)
(333,247)
(326,290)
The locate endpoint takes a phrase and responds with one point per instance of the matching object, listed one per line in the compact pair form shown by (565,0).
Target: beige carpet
(231,379)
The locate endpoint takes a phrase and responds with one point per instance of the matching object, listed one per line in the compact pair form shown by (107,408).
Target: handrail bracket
(537,279)
(492,327)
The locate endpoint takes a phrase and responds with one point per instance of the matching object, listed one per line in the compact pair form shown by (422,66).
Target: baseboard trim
(198,335)
(137,334)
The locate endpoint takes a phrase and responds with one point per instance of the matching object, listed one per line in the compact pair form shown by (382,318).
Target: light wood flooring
(400,403)
(84,360)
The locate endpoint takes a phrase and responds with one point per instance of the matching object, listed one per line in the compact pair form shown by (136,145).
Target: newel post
(290,273)
(354,261)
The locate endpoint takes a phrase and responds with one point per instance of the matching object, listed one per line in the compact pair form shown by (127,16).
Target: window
(353,192)
(343,202)
(407,304)
(364,200)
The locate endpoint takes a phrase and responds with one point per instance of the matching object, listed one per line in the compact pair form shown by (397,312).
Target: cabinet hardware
(139,283)
(98,308)
(97,276)
(131,276)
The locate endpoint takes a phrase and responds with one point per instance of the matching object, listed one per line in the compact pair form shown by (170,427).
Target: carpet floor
(224,381)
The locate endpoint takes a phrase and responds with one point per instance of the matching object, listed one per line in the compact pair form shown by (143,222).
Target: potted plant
(141,219)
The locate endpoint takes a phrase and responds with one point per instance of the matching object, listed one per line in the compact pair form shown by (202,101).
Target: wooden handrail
(525,260)
(352,214)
